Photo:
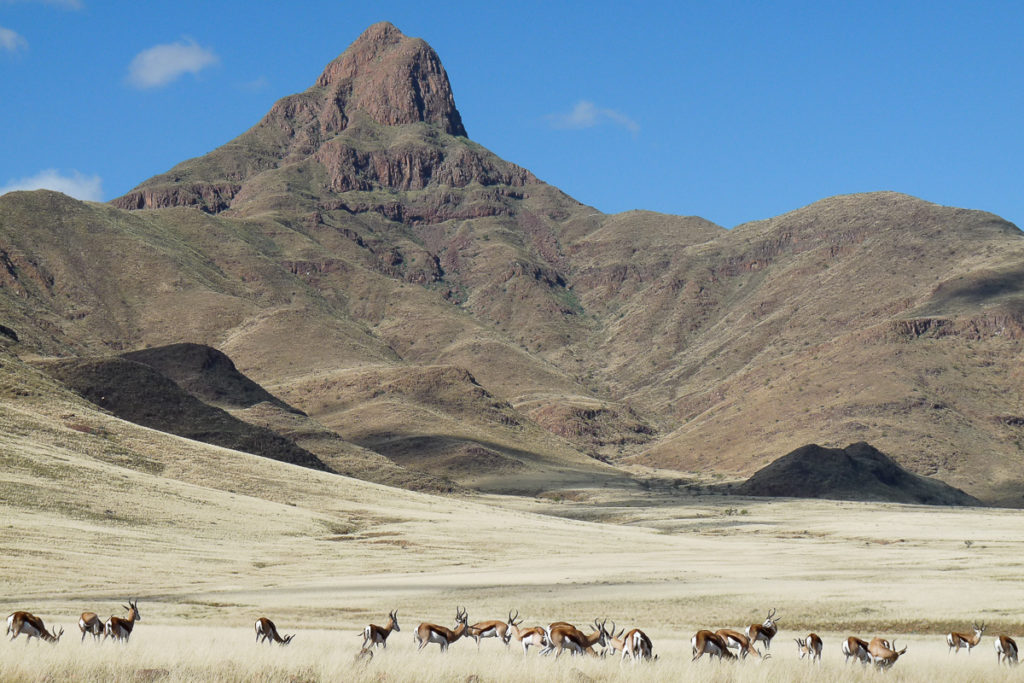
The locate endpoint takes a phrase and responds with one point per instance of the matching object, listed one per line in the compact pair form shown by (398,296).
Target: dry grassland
(208,539)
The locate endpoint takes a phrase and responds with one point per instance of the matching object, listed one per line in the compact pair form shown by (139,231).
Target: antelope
(90,622)
(1006,650)
(735,639)
(492,629)
(432,633)
(32,626)
(959,640)
(711,644)
(856,648)
(528,636)
(374,635)
(764,631)
(266,631)
(120,629)
(810,646)
(561,636)
(882,654)
(636,645)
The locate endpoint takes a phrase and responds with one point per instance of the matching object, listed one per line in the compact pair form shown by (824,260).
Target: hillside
(438,310)
(857,472)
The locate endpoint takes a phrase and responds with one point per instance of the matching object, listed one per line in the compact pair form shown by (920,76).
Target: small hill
(138,393)
(206,373)
(858,472)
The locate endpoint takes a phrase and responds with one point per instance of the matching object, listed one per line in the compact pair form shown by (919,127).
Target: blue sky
(733,111)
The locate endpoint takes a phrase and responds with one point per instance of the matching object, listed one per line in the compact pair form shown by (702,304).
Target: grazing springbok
(266,631)
(810,646)
(534,636)
(636,645)
(764,631)
(121,629)
(564,636)
(432,633)
(883,655)
(735,639)
(374,635)
(32,626)
(90,622)
(705,642)
(856,648)
(958,640)
(492,629)
(1006,650)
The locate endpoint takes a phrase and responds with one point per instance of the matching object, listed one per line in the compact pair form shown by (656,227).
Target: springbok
(432,633)
(492,629)
(374,635)
(882,654)
(90,622)
(856,648)
(1006,650)
(738,641)
(32,626)
(705,642)
(528,636)
(564,636)
(636,645)
(764,631)
(959,640)
(810,646)
(121,629)
(266,631)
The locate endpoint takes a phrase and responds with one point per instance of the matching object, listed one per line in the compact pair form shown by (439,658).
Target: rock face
(857,472)
(394,79)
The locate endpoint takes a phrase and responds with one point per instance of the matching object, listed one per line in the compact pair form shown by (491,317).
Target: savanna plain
(207,540)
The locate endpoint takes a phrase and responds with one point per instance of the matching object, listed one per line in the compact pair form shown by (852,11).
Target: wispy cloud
(255,85)
(163,64)
(77,185)
(11,41)
(66,4)
(586,114)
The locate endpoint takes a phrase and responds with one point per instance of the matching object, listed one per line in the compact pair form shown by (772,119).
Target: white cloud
(588,115)
(77,185)
(11,41)
(162,64)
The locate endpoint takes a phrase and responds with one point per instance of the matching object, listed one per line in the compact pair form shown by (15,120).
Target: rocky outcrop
(208,197)
(394,79)
(413,168)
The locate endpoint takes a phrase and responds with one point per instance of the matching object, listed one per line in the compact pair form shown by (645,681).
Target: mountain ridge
(325,244)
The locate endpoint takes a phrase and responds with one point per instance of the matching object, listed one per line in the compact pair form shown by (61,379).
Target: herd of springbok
(557,637)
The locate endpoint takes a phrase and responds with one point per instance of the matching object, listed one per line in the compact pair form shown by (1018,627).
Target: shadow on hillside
(486,465)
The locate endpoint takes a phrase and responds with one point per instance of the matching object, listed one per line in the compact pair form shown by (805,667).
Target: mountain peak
(394,79)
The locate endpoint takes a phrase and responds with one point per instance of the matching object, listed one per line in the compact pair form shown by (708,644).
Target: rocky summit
(358,276)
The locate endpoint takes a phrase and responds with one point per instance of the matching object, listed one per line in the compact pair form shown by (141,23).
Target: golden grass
(208,539)
(204,653)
